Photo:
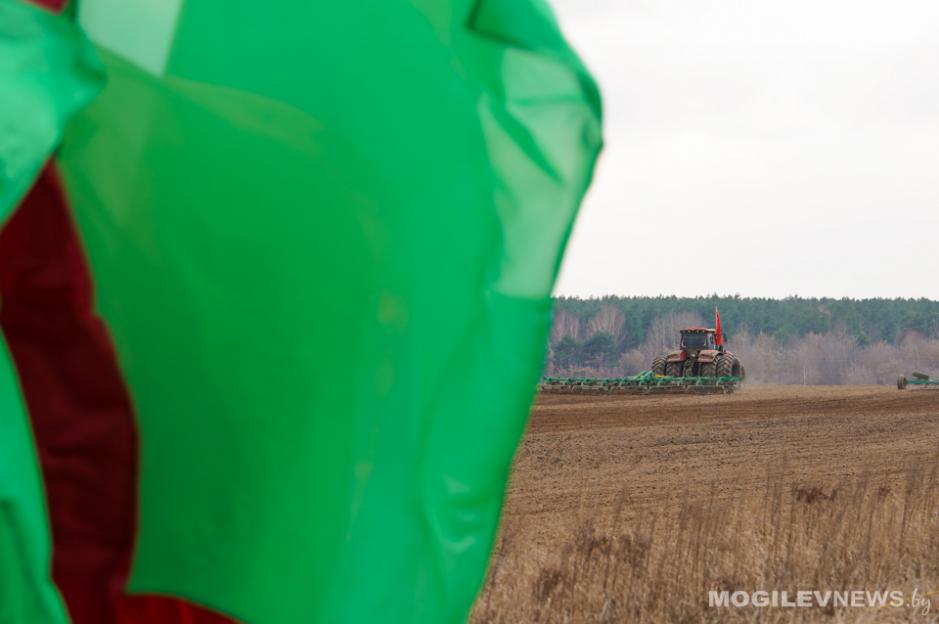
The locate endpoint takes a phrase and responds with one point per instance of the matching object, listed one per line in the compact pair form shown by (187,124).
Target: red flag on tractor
(719,339)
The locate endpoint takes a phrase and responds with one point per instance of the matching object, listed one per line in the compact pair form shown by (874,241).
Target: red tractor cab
(700,354)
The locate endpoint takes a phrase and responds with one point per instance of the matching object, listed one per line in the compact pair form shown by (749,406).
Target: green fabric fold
(48,71)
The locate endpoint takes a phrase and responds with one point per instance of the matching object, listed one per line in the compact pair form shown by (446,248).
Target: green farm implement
(643,383)
(919,380)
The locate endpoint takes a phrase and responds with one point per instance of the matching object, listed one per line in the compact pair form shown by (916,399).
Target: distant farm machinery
(700,365)
(919,380)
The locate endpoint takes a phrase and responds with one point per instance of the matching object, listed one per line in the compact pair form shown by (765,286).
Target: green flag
(26,593)
(47,71)
(323,236)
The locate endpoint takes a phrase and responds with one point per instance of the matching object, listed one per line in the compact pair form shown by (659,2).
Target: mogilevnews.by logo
(851,599)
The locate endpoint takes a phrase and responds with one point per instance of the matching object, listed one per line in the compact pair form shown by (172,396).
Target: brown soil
(582,453)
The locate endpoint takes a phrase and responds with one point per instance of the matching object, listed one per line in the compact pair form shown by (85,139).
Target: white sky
(760,148)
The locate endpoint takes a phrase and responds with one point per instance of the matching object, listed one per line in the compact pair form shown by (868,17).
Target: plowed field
(582,453)
(627,508)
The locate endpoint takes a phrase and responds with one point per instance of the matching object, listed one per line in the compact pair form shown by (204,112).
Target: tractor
(701,365)
(701,353)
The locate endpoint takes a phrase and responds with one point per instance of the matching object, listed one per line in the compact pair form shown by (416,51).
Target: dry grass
(873,532)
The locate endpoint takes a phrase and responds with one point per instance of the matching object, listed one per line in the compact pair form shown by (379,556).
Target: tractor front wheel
(658,366)
(725,365)
(673,369)
(709,369)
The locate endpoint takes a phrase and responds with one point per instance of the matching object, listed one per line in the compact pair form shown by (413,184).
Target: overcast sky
(760,148)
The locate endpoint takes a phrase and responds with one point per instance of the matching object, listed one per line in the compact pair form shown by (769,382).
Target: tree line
(792,340)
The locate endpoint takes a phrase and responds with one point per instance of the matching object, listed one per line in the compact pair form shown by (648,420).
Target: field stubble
(630,509)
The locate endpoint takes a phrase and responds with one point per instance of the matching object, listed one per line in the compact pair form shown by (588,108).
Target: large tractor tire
(708,370)
(687,370)
(658,366)
(726,364)
(673,369)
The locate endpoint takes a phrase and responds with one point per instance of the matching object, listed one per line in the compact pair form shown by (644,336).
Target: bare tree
(608,320)
(564,325)
(633,361)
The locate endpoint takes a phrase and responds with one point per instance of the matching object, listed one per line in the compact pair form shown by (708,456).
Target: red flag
(719,340)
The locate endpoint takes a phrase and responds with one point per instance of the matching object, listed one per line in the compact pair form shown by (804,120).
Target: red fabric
(717,325)
(81,415)
(163,610)
(52,5)
(80,412)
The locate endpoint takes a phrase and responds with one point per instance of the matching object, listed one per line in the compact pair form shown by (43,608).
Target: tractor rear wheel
(725,365)
(673,369)
(658,366)
(709,369)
